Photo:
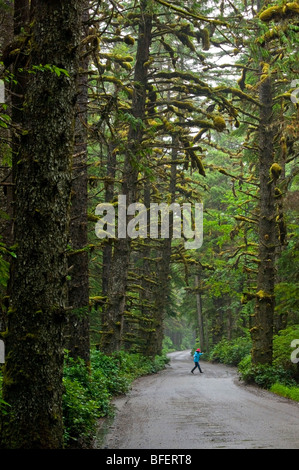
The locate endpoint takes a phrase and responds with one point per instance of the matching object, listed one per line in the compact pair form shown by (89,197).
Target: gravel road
(175,409)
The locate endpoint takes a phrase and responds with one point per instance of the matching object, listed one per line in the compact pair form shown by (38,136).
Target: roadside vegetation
(281,377)
(88,391)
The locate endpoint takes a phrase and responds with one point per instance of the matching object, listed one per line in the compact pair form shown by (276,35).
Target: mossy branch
(188,14)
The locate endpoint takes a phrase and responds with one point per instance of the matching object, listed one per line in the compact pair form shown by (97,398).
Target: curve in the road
(175,409)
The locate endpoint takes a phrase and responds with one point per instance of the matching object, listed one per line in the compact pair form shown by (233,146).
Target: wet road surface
(175,409)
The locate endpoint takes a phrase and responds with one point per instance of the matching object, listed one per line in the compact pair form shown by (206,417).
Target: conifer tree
(32,383)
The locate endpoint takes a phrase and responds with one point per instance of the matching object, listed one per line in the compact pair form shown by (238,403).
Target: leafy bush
(230,352)
(168,345)
(115,378)
(80,413)
(264,375)
(88,391)
(245,369)
(85,400)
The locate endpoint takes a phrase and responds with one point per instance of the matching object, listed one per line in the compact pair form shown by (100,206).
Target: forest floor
(175,409)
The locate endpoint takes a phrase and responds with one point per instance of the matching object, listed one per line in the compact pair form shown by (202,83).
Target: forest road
(175,409)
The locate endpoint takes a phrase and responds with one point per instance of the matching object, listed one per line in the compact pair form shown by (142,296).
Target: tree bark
(78,330)
(109,194)
(163,269)
(112,319)
(262,331)
(199,313)
(32,380)
(6,193)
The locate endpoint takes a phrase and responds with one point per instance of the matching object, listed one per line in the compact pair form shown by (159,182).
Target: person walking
(196,357)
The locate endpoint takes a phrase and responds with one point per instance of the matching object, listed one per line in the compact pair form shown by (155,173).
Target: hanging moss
(219,123)
(292,7)
(205,39)
(241,80)
(275,171)
(262,295)
(265,71)
(126,65)
(277,12)
(184,38)
(200,166)
(129,40)
(271,13)
(284,148)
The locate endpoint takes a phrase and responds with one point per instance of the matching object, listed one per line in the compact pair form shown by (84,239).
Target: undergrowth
(282,377)
(89,391)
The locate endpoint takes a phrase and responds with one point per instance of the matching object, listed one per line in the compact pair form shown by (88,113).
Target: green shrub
(85,400)
(230,352)
(245,369)
(136,365)
(264,375)
(80,412)
(88,391)
(117,382)
(168,345)
(159,363)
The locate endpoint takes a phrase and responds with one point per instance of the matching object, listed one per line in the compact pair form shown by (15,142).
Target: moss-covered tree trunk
(161,290)
(112,319)
(109,193)
(6,34)
(262,330)
(32,382)
(77,331)
(200,321)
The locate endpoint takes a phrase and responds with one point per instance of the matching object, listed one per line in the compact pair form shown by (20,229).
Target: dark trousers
(196,365)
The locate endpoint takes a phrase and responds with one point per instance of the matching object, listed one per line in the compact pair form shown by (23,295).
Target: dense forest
(149,200)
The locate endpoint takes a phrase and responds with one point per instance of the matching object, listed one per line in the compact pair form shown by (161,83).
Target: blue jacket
(197,356)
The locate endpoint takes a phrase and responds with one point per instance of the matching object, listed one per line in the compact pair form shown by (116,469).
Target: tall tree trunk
(162,289)
(112,319)
(217,320)
(199,312)
(32,381)
(6,193)
(262,331)
(77,331)
(109,194)
(146,330)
